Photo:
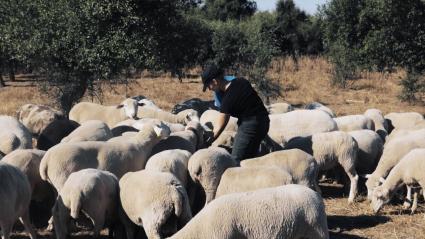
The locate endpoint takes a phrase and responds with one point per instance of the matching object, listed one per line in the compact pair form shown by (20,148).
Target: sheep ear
(382,180)
(120,106)
(157,130)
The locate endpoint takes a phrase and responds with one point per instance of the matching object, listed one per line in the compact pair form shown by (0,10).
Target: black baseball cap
(211,72)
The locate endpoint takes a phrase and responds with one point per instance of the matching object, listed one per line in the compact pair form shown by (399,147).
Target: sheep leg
(60,219)
(6,228)
(354,178)
(25,219)
(415,202)
(408,202)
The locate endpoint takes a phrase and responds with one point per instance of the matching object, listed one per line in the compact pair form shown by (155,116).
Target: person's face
(214,85)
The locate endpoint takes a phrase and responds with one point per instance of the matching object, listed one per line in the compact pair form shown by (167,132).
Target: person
(236,97)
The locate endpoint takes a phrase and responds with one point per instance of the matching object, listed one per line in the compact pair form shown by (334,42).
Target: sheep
(138,124)
(279,108)
(173,161)
(120,130)
(155,200)
(225,139)
(284,127)
(55,132)
(403,120)
(319,106)
(116,157)
(92,192)
(330,149)
(37,117)
(409,171)
(370,150)
(92,130)
(289,211)
(391,155)
(191,139)
(15,197)
(111,115)
(28,161)
(196,104)
(148,104)
(209,118)
(397,133)
(238,179)
(381,126)
(301,165)
(13,135)
(206,167)
(354,122)
(181,118)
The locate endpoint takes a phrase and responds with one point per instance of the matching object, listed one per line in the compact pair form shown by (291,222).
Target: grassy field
(310,82)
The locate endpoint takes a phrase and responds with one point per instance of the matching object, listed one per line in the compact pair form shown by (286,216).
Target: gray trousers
(251,131)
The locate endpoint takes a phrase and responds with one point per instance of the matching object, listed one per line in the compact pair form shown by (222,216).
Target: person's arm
(222,121)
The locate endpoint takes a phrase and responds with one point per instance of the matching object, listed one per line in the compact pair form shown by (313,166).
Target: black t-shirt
(241,100)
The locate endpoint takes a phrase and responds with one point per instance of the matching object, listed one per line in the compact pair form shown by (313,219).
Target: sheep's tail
(181,205)
(43,166)
(76,201)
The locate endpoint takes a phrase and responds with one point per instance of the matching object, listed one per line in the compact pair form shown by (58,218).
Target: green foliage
(295,32)
(413,87)
(376,35)
(224,10)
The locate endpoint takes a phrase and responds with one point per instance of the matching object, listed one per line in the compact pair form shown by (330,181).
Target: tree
(86,42)
(229,9)
(377,35)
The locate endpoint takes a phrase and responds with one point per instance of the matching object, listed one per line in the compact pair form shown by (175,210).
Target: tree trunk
(2,84)
(11,71)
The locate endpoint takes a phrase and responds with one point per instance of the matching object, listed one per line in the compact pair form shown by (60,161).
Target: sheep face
(380,196)
(371,184)
(190,115)
(162,130)
(130,108)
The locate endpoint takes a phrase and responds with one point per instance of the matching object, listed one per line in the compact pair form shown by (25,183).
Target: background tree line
(74,45)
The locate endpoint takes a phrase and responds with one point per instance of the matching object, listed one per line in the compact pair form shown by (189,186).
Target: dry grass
(309,83)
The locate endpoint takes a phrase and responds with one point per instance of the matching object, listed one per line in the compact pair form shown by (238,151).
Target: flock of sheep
(134,166)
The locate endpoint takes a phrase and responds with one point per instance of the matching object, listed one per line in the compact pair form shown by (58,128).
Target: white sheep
(182,117)
(111,115)
(381,126)
(354,122)
(138,124)
(393,152)
(409,171)
(173,161)
(15,197)
(370,150)
(191,139)
(279,108)
(319,106)
(209,118)
(155,200)
(117,157)
(91,192)
(397,133)
(403,120)
(37,117)
(300,165)
(28,161)
(330,149)
(92,130)
(206,167)
(245,179)
(13,135)
(290,212)
(284,127)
